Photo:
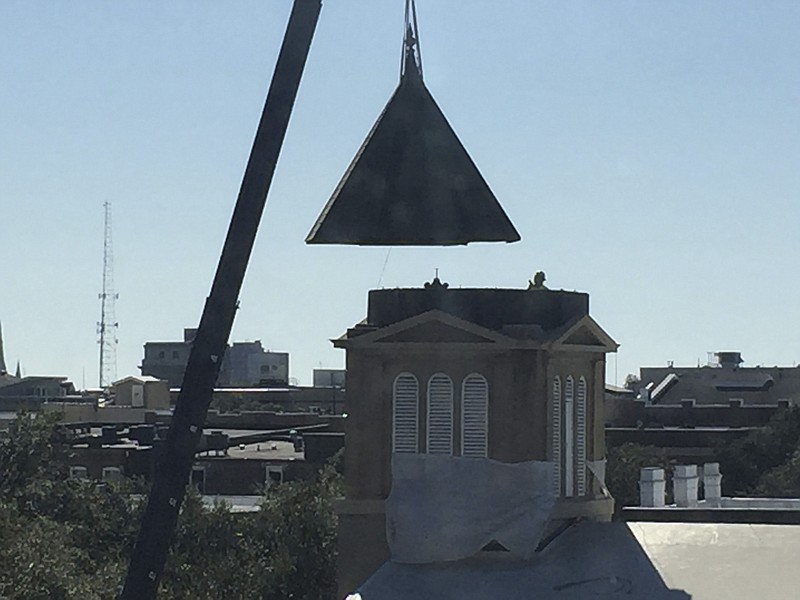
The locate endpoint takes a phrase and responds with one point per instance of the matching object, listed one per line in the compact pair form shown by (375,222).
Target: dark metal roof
(412,182)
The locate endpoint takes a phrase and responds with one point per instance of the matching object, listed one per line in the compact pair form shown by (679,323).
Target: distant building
(248,364)
(330,378)
(227,461)
(33,392)
(690,413)
(722,382)
(233,467)
(245,364)
(36,387)
(145,392)
(167,360)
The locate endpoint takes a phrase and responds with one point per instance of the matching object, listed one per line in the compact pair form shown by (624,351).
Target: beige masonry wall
(517,407)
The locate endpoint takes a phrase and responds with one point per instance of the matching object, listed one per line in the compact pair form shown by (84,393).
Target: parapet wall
(636,413)
(490,308)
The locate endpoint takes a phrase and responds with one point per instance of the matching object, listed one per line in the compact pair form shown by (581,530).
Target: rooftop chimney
(712,483)
(652,487)
(684,485)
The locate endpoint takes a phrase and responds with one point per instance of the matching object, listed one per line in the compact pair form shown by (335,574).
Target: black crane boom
(175,461)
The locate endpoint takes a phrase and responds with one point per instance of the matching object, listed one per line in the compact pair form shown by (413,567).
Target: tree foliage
(61,538)
(765,461)
(32,449)
(285,550)
(623,467)
(65,539)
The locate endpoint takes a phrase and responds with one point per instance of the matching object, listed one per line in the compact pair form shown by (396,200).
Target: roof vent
(729,359)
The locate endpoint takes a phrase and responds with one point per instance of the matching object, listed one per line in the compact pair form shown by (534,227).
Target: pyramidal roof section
(412,182)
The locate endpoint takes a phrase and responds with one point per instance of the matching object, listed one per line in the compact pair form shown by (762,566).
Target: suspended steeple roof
(412,182)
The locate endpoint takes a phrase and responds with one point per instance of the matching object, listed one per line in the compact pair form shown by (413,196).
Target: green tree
(32,449)
(59,539)
(623,467)
(782,481)
(65,539)
(767,452)
(285,550)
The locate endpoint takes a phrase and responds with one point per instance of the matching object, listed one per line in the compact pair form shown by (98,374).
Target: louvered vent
(440,414)
(405,400)
(557,435)
(580,437)
(569,438)
(474,416)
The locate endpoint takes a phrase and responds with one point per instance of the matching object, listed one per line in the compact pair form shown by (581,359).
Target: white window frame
(111,474)
(202,484)
(78,472)
(269,482)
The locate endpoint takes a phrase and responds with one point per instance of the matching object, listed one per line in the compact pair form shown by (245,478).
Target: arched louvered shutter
(405,403)
(580,437)
(440,414)
(569,437)
(557,435)
(474,416)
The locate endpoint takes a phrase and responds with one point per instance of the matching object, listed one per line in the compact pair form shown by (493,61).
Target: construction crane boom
(174,464)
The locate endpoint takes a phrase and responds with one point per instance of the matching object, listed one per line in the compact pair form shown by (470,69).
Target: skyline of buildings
(276,370)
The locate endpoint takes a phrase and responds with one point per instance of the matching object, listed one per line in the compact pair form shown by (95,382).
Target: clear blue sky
(648,153)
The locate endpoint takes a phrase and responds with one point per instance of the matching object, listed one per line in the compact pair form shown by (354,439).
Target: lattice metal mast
(107,327)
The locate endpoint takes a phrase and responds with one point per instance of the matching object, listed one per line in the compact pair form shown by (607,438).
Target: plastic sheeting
(598,469)
(445,508)
(593,560)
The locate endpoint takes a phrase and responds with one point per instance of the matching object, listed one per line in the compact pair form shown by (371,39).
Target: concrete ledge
(596,509)
(768,516)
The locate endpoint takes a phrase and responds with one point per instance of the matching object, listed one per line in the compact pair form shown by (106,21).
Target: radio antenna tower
(107,327)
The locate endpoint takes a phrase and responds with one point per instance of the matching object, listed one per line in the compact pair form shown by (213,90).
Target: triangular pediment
(435,331)
(583,337)
(433,327)
(586,334)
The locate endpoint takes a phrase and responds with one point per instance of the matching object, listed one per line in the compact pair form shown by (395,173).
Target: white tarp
(598,469)
(444,508)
